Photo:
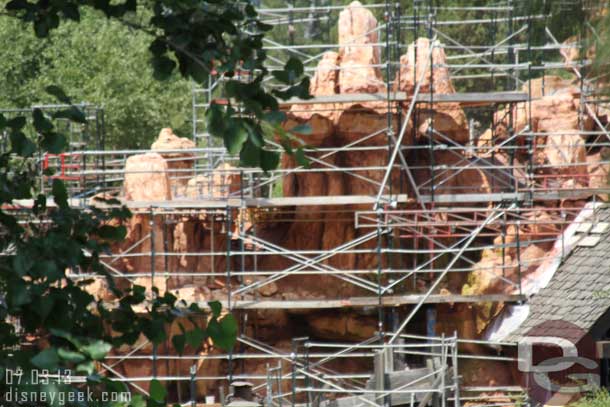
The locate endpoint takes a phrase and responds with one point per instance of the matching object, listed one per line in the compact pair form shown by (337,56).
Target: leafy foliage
(65,326)
(198,39)
(600,398)
(100,61)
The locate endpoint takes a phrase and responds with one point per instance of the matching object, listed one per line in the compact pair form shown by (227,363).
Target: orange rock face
(446,118)
(599,170)
(219,184)
(357,53)
(559,153)
(181,163)
(200,240)
(146,178)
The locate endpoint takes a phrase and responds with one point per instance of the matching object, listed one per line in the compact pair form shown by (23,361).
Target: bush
(600,398)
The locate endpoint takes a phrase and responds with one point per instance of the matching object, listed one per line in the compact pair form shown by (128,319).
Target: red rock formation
(223,181)
(146,178)
(182,163)
(358,29)
(559,151)
(322,228)
(598,169)
(446,118)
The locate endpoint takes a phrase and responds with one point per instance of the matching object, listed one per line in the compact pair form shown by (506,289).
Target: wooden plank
(474,98)
(353,302)
(266,202)
(466,99)
(359,302)
(332,200)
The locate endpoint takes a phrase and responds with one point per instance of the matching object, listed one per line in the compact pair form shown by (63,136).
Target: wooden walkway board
(359,302)
(464,99)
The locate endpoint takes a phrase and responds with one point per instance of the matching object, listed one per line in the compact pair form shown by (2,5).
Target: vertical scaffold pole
(278,378)
(293,358)
(151,223)
(269,387)
(443,369)
(379,280)
(242,248)
(456,377)
(229,235)
(518,243)
(530,140)
(430,129)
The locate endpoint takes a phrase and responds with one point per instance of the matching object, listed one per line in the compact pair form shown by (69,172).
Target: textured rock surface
(146,178)
(547,85)
(181,163)
(559,154)
(358,29)
(561,159)
(446,118)
(599,170)
(220,183)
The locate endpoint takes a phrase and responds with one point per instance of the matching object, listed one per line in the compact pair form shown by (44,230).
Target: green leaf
(65,335)
(269,160)
(163,67)
(48,269)
(275,117)
(263,27)
(45,306)
(97,350)
(58,93)
(54,143)
(71,12)
(216,307)
(137,401)
(301,159)
(215,120)
(281,76)
(157,391)
(16,123)
(44,24)
(22,263)
(87,367)
(223,333)
(235,136)
(250,155)
(295,67)
(18,294)
(72,113)
(303,129)
(300,90)
(47,359)
(41,123)
(158,47)
(21,145)
(195,337)
(70,356)
(112,232)
(179,341)
(60,194)
(16,5)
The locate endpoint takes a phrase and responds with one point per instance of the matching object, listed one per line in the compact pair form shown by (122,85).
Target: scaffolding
(411,230)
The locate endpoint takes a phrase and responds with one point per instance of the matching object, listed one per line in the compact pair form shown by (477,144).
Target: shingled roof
(579,292)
